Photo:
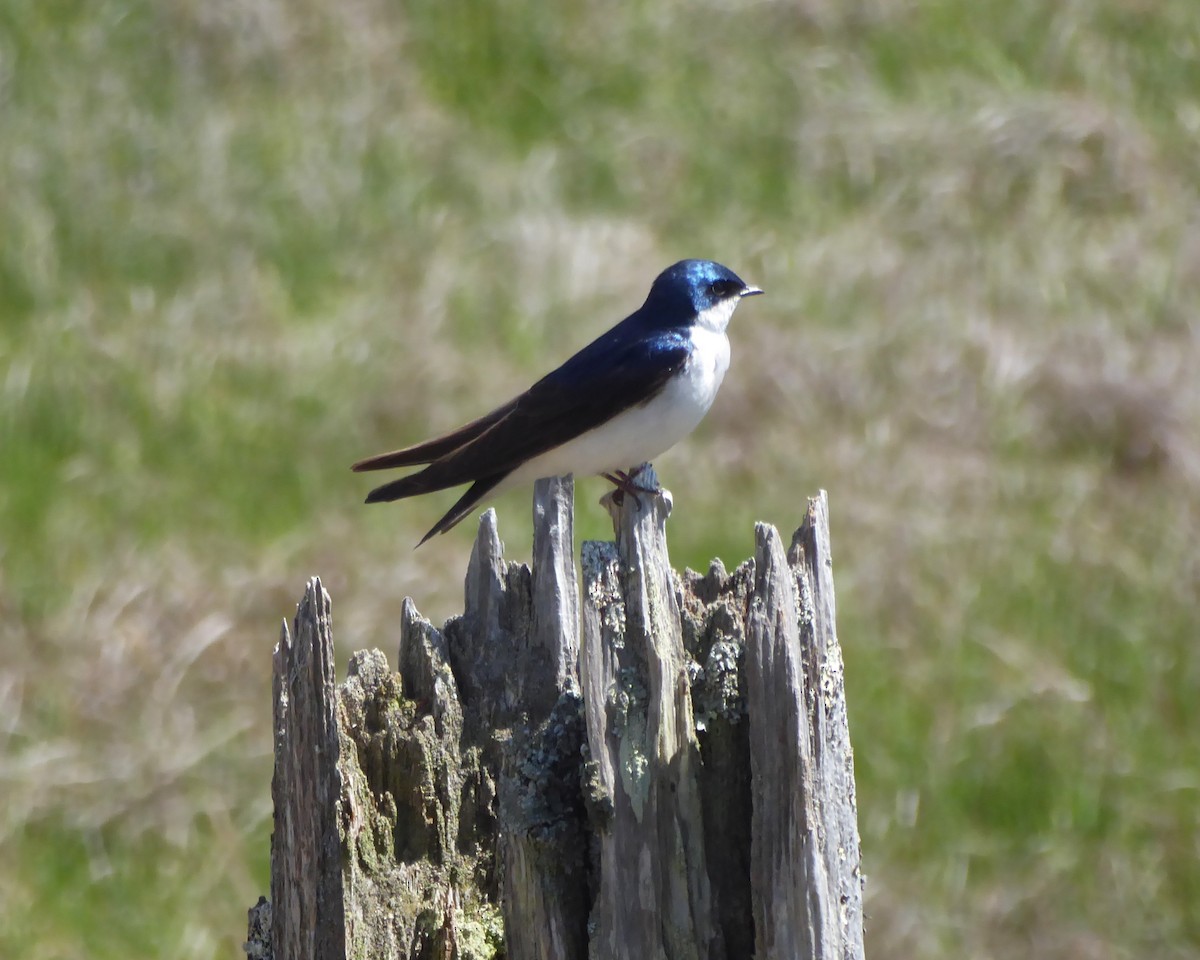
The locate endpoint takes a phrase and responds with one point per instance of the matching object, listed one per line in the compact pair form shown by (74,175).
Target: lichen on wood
(676,784)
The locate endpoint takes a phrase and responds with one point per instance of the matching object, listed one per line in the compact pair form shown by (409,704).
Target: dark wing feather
(613,373)
(574,399)
(430,450)
(475,492)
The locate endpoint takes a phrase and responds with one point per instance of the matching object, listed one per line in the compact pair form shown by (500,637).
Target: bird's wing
(476,492)
(572,400)
(430,450)
(607,377)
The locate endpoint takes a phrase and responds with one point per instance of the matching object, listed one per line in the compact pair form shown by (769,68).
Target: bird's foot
(626,483)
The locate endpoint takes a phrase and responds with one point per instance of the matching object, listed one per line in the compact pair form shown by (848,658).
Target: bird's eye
(721,289)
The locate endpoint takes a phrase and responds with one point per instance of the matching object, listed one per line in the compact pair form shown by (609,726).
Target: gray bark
(654,899)
(544,836)
(306,876)
(680,787)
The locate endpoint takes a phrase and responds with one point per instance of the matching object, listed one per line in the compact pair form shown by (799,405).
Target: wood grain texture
(654,898)
(811,558)
(306,877)
(543,822)
(677,784)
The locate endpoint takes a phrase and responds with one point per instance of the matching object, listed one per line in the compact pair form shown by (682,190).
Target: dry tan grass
(312,242)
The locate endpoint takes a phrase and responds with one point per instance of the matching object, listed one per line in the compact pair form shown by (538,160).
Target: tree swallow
(622,400)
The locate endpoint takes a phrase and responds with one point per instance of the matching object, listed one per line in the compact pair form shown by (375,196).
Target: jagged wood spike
(654,899)
(308,918)
(545,843)
(706,732)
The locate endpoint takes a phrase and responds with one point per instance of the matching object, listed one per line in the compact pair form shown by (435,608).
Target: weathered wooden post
(680,785)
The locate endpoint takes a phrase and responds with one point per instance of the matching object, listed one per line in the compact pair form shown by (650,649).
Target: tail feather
(411,486)
(416,484)
(431,450)
(476,492)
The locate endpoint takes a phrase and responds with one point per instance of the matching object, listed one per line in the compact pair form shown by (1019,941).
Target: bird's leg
(624,485)
(627,484)
(621,482)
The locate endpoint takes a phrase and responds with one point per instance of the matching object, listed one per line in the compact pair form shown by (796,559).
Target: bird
(622,400)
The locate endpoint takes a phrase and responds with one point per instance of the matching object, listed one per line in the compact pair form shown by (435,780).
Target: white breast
(642,433)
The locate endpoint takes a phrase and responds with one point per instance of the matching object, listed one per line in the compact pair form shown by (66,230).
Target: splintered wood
(678,783)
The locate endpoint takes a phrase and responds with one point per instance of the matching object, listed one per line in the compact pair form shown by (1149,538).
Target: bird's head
(697,291)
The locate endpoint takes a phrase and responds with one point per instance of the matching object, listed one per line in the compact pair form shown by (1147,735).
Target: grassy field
(246,242)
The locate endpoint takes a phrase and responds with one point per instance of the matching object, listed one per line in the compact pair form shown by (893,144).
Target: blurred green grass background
(246,242)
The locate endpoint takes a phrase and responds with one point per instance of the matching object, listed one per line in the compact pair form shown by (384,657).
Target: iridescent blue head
(697,291)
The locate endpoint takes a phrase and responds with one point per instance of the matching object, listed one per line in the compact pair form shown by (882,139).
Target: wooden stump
(678,785)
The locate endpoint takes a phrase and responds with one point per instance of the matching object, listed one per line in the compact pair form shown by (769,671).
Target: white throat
(716,317)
